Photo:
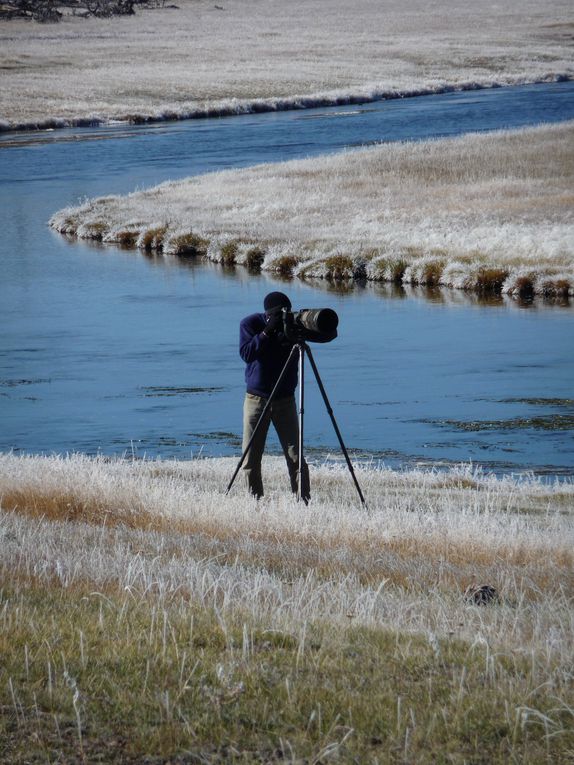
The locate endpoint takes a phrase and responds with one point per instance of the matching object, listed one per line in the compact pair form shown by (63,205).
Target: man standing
(265,350)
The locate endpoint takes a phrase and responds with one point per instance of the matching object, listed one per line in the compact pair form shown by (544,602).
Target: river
(109,351)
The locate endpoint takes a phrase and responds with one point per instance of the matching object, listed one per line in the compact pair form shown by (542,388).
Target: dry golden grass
(368,551)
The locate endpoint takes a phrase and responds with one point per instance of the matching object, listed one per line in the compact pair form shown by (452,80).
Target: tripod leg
(294,350)
(334,421)
(300,494)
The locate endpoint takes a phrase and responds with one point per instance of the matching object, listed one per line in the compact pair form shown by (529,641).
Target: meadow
(148,617)
(203,58)
(484,212)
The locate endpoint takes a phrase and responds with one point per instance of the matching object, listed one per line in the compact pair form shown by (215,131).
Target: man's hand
(274,324)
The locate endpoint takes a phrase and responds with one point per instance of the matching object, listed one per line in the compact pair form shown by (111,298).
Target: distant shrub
(54,10)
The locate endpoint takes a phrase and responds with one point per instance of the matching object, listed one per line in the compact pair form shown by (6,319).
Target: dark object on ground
(480,594)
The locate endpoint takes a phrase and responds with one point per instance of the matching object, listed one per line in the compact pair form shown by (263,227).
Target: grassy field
(243,55)
(485,212)
(147,617)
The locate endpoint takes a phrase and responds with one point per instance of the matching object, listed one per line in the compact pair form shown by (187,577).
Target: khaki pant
(283,414)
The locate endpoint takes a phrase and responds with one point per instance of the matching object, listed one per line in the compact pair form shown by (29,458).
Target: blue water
(89,333)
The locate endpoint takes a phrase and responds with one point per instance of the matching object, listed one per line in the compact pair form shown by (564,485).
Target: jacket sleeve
(252,342)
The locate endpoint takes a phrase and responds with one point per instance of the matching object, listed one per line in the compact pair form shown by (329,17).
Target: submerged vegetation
(491,213)
(542,422)
(146,616)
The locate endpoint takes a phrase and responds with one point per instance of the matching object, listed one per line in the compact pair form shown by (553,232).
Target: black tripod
(300,348)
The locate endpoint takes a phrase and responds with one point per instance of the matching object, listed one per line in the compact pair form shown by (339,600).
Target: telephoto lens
(315,325)
(318,319)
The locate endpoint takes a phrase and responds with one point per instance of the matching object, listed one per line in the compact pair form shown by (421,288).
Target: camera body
(315,325)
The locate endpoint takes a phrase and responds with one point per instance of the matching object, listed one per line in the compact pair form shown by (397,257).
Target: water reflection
(436,294)
(385,290)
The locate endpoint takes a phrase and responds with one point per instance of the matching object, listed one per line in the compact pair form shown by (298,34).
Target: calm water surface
(104,350)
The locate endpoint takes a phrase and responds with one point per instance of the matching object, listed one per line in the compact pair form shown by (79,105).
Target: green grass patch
(116,677)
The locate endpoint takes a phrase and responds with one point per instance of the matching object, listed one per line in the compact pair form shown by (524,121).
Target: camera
(315,325)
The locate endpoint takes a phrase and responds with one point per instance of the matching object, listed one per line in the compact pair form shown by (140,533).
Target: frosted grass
(485,212)
(196,60)
(166,529)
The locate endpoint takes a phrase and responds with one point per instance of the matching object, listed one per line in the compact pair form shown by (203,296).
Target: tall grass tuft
(432,273)
(186,245)
(339,267)
(254,258)
(152,238)
(556,287)
(229,253)
(489,279)
(285,264)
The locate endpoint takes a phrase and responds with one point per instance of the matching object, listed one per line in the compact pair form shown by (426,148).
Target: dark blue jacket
(265,358)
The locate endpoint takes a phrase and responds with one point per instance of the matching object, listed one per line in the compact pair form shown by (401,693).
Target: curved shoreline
(237,107)
(489,213)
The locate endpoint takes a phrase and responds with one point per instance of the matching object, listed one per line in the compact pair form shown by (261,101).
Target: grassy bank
(485,212)
(144,613)
(205,58)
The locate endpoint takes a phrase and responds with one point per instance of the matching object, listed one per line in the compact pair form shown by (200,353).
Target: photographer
(265,350)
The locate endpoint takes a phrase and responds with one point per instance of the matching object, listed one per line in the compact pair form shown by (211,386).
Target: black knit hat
(275,300)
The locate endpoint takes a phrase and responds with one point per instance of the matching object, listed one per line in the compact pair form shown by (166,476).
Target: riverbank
(144,612)
(201,59)
(485,212)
